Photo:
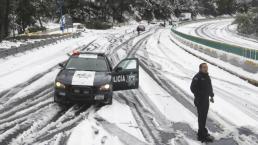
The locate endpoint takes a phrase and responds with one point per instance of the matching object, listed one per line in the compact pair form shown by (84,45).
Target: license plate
(99,97)
(76,91)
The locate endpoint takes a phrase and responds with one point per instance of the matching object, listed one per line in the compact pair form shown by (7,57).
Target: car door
(125,75)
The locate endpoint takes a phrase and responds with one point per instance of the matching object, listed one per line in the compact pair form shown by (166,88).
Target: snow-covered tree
(247,23)
(4,21)
(226,6)
(25,12)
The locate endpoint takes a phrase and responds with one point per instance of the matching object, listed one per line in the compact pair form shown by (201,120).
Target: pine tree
(25,14)
(4,20)
(206,7)
(226,6)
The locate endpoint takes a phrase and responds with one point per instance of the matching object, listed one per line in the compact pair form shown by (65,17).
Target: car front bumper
(67,96)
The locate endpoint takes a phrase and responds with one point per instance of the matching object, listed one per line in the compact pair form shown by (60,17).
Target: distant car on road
(152,22)
(80,28)
(185,17)
(89,78)
(162,24)
(140,28)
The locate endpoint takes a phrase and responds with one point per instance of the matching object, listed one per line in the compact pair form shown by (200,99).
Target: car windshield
(87,64)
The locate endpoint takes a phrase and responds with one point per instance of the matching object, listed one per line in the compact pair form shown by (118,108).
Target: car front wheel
(108,101)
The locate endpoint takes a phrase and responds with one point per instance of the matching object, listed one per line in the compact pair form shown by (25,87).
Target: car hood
(83,78)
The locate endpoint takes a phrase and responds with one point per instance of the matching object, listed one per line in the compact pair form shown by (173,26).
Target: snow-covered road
(160,112)
(219,30)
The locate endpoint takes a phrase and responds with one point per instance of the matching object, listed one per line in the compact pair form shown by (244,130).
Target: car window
(128,64)
(87,64)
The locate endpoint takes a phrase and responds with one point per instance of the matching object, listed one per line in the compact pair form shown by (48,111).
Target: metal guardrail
(36,44)
(36,36)
(237,50)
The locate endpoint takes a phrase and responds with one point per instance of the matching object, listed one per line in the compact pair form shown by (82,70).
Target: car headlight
(59,85)
(105,87)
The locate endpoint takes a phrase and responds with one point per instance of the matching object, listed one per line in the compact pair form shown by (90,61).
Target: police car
(89,78)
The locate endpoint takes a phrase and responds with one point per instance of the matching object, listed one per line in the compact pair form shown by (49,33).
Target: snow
(7,44)
(182,139)
(48,78)
(88,132)
(166,103)
(51,25)
(121,115)
(218,30)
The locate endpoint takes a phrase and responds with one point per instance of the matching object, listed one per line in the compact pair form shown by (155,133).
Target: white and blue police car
(89,78)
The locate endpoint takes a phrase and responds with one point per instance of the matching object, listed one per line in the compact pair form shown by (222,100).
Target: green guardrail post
(252,54)
(245,54)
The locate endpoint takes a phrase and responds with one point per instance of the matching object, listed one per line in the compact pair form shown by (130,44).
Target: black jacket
(201,86)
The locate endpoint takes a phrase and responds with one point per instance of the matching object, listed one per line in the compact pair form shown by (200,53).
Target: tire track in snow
(29,103)
(9,105)
(67,123)
(41,128)
(227,29)
(127,42)
(146,123)
(248,107)
(23,114)
(217,32)
(5,95)
(201,32)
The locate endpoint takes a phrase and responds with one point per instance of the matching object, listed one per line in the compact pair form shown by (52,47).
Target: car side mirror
(118,69)
(61,65)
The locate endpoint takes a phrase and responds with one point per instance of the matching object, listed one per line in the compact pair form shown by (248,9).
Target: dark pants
(202,110)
